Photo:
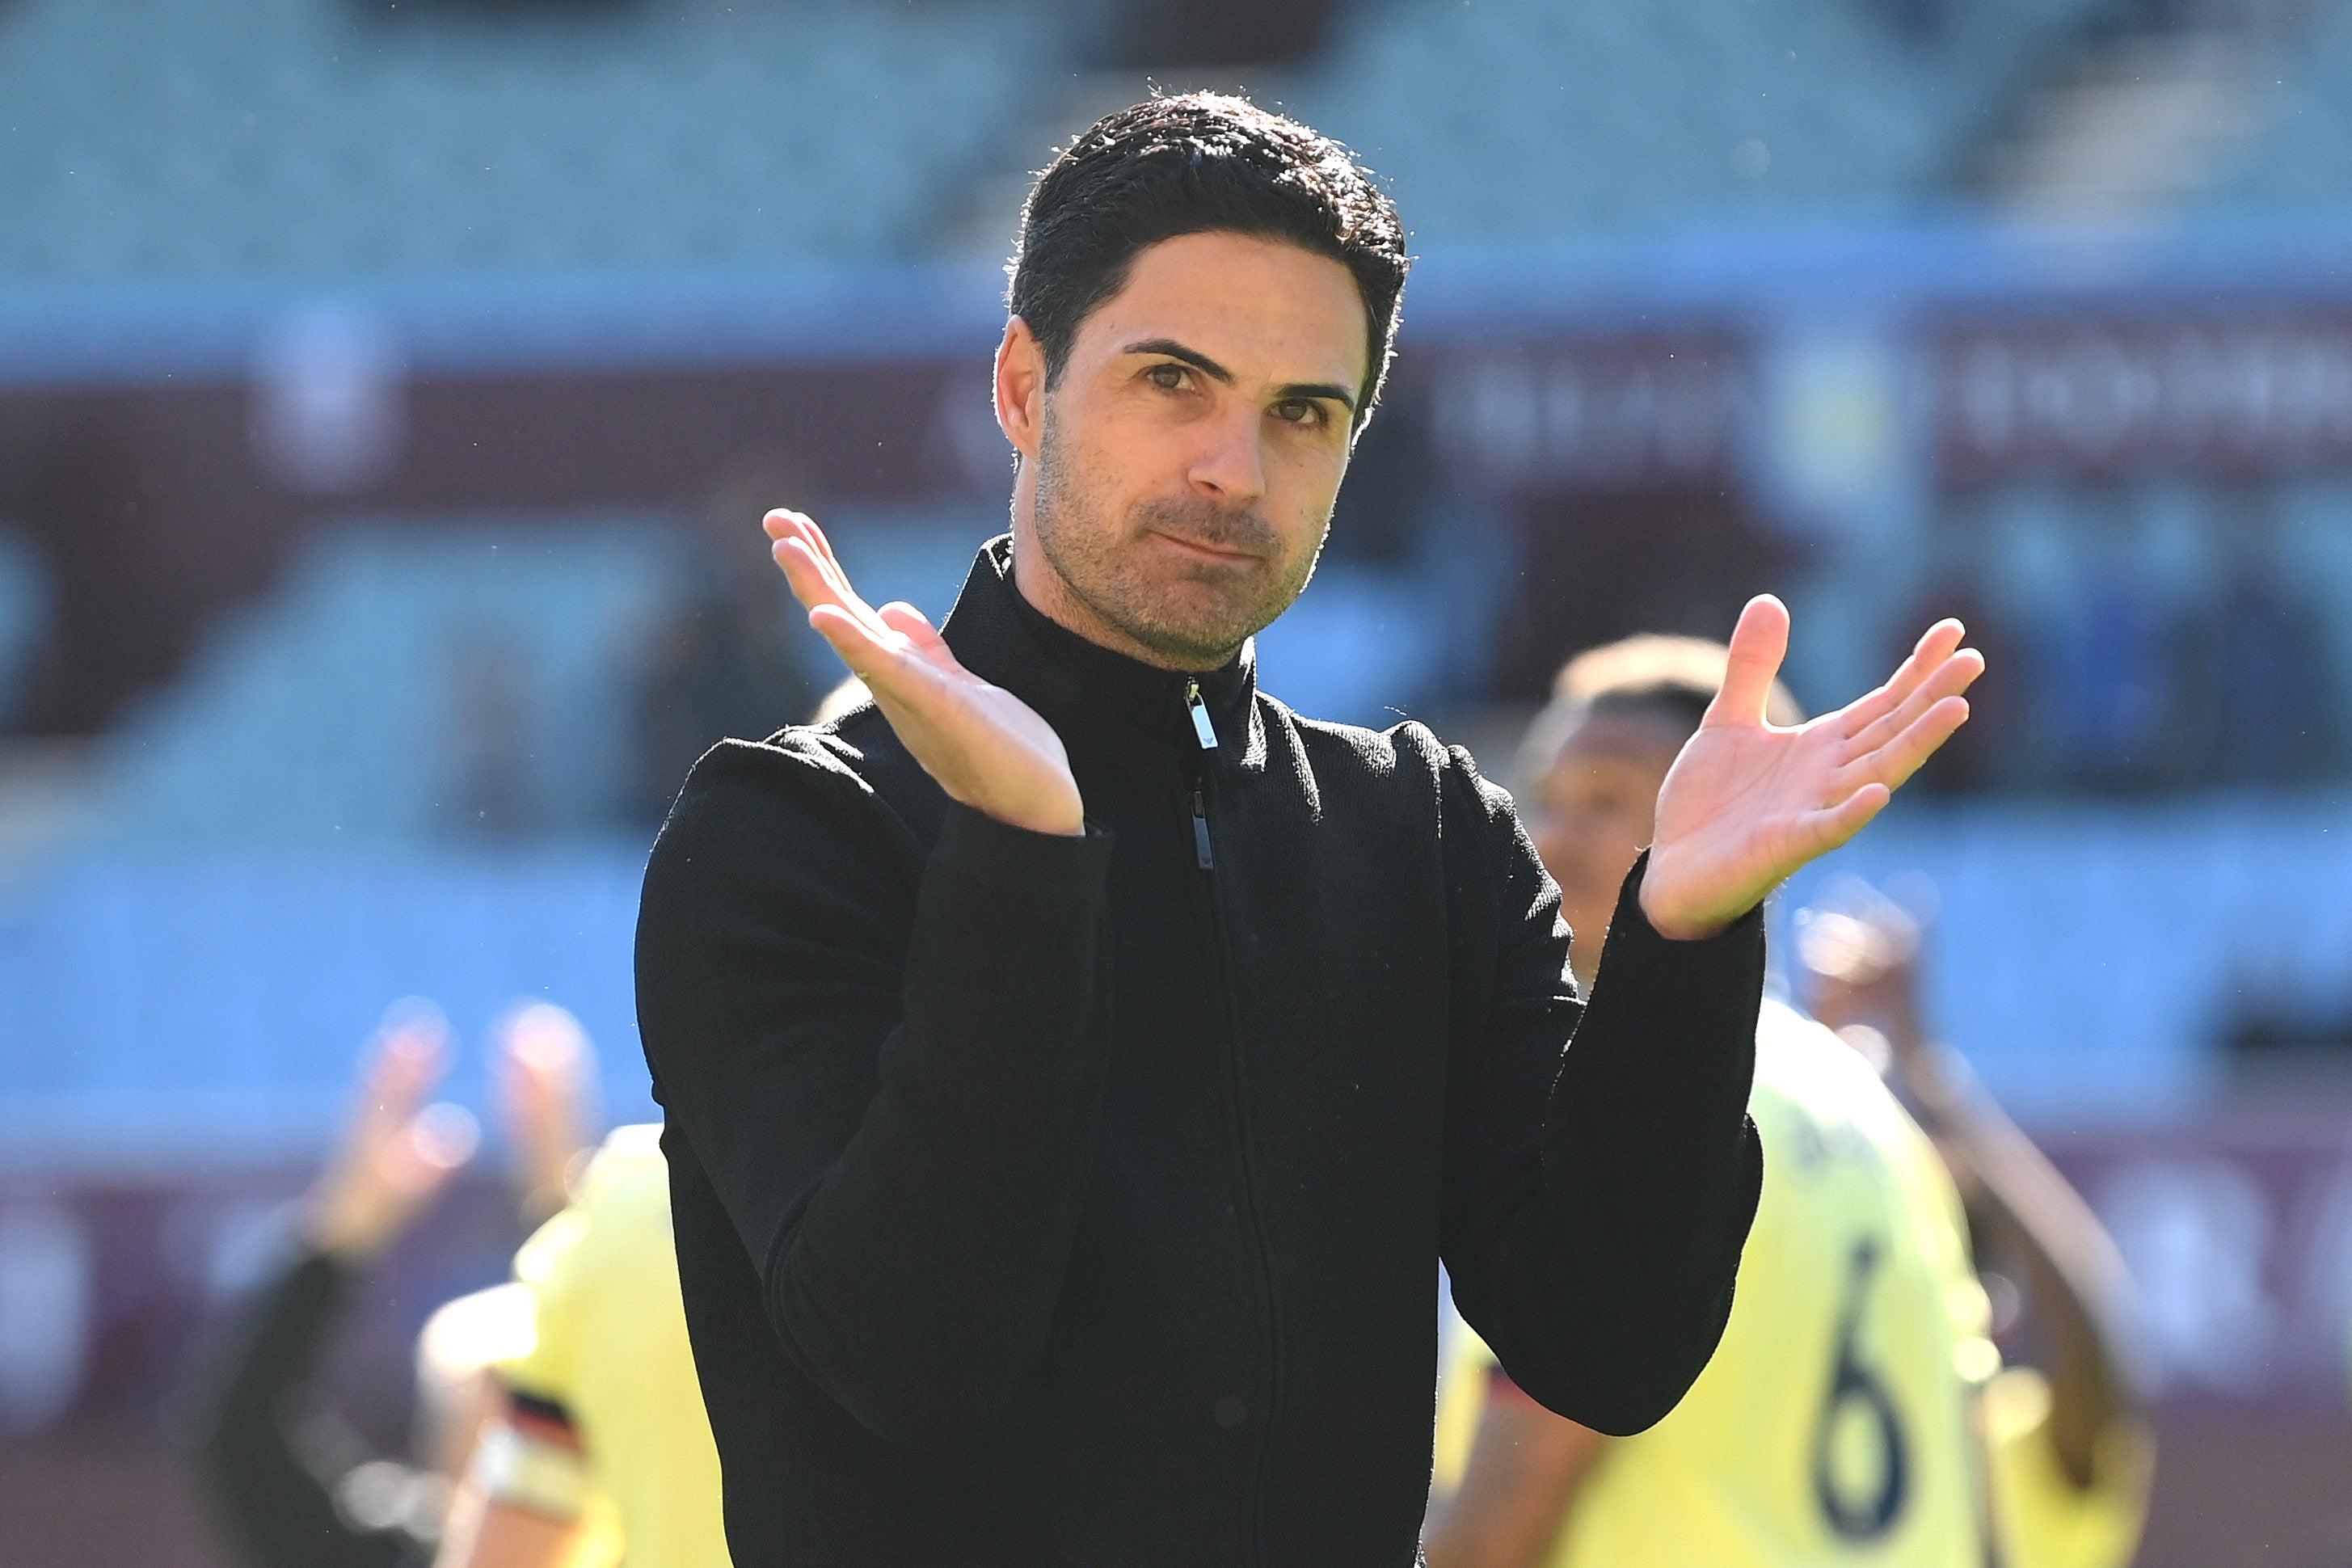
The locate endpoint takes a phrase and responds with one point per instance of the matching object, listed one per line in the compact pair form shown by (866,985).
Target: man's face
(1591,812)
(1185,464)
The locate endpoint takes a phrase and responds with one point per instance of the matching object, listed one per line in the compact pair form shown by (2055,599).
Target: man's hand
(546,1073)
(1747,803)
(986,747)
(1860,951)
(394,1156)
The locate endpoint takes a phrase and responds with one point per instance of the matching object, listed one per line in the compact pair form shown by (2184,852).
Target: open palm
(985,747)
(1747,802)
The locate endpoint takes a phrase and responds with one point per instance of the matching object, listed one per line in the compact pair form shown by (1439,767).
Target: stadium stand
(402,771)
(414,682)
(23,613)
(1528,117)
(416,766)
(183,1003)
(191,138)
(406,682)
(306,826)
(186,1002)
(295,832)
(2096,954)
(2301,159)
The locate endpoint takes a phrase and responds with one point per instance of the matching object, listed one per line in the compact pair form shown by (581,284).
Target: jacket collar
(1078,685)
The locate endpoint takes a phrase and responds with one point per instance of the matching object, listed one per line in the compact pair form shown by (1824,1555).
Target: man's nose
(1230,463)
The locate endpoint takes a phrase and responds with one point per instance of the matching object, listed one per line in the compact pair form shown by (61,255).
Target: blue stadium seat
(302,136)
(1517,118)
(210,1006)
(337,709)
(2301,160)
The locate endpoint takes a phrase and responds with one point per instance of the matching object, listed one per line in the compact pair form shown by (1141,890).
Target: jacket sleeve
(266,1493)
(1601,1170)
(890,1066)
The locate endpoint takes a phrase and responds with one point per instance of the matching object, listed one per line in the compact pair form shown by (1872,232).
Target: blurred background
(389,391)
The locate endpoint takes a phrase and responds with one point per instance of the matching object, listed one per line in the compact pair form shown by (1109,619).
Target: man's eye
(1298,411)
(1166,378)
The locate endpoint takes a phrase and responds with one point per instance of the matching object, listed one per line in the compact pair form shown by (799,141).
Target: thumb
(1758,643)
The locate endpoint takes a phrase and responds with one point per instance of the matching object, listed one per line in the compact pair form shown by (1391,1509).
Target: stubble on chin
(1196,617)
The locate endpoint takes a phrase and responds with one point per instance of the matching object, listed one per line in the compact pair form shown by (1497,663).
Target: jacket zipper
(1205,857)
(1200,807)
(1202,855)
(1198,712)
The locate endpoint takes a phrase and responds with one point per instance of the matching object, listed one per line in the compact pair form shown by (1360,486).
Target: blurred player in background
(601,1433)
(297,1491)
(1838,1421)
(2071,1454)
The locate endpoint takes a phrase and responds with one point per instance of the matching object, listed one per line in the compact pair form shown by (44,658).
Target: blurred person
(601,1435)
(2071,1448)
(1995,747)
(1836,1421)
(490,724)
(1076,1064)
(292,1490)
(2117,655)
(2272,709)
(721,660)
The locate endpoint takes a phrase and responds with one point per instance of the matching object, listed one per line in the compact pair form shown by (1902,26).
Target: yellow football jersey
(1833,1424)
(2046,1522)
(609,1346)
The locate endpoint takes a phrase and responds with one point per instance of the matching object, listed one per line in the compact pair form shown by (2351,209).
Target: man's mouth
(1208,552)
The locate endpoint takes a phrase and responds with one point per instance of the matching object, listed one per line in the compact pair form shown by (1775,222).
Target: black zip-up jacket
(1047,1201)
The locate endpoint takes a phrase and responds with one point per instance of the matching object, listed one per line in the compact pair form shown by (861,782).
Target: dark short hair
(1196,164)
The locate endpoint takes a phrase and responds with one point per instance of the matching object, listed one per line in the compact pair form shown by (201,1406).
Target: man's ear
(1021,387)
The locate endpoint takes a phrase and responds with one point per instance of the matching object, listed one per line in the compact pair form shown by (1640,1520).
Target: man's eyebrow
(1332,390)
(1170,349)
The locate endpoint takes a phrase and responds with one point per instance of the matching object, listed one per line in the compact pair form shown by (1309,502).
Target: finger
(783,525)
(823,548)
(1935,645)
(546,1048)
(881,657)
(868,650)
(910,689)
(815,586)
(442,1138)
(1894,764)
(802,527)
(1758,643)
(1949,679)
(914,625)
(1819,832)
(801,569)
(411,1057)
(804,537)
(797,539)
